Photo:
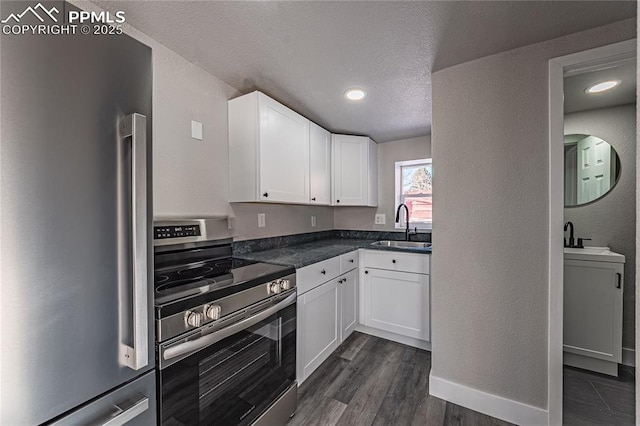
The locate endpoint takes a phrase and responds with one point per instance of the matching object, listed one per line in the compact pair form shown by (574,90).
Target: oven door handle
(209,339)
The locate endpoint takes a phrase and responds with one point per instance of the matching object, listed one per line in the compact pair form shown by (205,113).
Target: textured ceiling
(575,98)
(307,53)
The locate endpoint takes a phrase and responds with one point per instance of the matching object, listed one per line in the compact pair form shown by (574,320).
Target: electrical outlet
(262,220)
(229,223)
(380,219)
(313,221)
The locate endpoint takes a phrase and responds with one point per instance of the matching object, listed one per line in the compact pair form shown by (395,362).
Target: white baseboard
(409,341)
(629,357)
(486,403)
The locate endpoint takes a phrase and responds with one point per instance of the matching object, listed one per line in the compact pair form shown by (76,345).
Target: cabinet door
(318,327)
(350,170)
(593,309)
(284,153)
(397,302)
(320,165)
(348,303)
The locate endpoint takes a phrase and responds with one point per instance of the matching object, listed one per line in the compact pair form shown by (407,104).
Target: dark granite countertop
(300,255)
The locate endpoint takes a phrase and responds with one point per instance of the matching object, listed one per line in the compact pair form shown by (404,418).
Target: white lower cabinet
(318,334)
(593,315)
(387,292)
(395,295)
(397,302)
(348,304)
(327,311)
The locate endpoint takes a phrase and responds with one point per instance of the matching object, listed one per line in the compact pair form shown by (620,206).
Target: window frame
(399,198)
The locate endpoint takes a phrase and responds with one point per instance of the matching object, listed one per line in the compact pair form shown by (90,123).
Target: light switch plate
(196,130)
(313,221)
(262,220)
(380,219)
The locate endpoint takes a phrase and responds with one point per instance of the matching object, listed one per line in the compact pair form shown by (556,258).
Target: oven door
(230,376)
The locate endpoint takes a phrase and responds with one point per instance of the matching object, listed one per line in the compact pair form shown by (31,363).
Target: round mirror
(591,169)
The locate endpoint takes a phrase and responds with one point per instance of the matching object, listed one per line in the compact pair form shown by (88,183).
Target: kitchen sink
(402,244)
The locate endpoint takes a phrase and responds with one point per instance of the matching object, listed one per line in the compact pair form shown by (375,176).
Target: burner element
(181,284)
(196,272)
(159,279)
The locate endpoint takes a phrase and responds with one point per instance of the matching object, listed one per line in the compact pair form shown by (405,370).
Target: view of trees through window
(415,189)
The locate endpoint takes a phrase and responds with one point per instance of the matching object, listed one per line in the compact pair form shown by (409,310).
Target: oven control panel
(217,313)
(163,232)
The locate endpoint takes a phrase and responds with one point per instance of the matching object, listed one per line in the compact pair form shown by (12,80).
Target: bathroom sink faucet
(406,232)
(571,239)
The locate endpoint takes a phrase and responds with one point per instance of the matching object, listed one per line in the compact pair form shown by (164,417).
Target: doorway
(578,145)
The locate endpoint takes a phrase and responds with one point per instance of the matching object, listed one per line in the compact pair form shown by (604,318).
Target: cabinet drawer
(349,261)
(313,275)
(396,261)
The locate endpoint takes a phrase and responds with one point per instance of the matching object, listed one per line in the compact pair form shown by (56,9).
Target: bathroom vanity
(593,288)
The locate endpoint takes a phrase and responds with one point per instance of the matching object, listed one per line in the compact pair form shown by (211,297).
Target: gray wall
(490,264)
(362,218)
(610,221)
(280,219)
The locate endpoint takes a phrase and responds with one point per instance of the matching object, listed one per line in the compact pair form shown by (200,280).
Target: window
(414,189)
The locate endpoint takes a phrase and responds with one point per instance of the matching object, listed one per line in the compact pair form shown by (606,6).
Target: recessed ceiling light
(355,94)
(601,87)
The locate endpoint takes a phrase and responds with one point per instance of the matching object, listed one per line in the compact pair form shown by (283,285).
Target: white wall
(610,221)
(362,218)
(490,267)
(190,177)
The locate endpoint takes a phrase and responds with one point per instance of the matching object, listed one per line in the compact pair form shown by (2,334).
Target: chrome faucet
(406,232)
(571,239)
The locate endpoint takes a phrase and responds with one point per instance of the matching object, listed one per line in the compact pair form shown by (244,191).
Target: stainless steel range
(225,331)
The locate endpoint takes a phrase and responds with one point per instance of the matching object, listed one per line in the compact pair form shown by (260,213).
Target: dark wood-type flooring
(372,381)
(596,399)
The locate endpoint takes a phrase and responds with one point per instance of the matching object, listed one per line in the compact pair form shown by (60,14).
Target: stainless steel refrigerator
(75,166)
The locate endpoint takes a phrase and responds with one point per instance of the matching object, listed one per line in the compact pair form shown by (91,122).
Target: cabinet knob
(313,199)
(393,261)
(337,201)
(350,260)
(323,272)
(266,194)
(366,272)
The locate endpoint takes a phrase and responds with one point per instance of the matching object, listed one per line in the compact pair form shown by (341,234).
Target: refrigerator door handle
(122,416)
(134,126)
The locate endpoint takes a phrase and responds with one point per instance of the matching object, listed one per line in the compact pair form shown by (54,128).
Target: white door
(593,309)
(397,302)
(320,165)
(350,170)
(318,327)
(594,168)
(348,303)
(284,153)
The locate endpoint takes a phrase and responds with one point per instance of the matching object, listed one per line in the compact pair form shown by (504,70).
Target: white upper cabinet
(354,171)
(319,165)
(268,151)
